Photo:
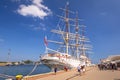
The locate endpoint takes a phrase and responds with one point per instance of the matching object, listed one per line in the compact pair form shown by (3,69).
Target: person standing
(79,69)
(65,68)
(83,68)
(55,69)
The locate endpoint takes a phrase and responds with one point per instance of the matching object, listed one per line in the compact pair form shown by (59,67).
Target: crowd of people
(81,69)
(108,66)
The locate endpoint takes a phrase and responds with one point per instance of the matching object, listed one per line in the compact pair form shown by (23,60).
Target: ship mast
(83,42)
(67,28)
(65,34)
(77,36)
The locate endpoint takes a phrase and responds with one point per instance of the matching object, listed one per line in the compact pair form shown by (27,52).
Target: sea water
(23,70)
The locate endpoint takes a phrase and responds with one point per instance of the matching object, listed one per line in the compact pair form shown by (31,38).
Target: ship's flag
(45,41)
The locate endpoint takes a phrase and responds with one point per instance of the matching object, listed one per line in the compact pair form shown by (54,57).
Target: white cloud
(103,13)
(44,29)
(32,10)
(36,9)
(5,6)
(37,28)
(15,0)
(1,40)
(37,2)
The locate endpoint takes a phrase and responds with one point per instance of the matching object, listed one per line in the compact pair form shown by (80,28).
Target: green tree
(28,61)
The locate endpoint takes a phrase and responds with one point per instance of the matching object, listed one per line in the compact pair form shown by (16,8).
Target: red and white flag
(45,41)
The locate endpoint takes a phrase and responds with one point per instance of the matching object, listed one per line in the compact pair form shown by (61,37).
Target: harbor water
(23,70)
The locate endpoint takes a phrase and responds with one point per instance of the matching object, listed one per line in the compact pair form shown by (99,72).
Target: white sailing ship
(73,48)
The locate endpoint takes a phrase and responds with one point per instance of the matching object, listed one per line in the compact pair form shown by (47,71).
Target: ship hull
(61,63)
(52,63)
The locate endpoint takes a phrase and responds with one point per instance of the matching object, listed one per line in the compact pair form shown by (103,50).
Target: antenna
(8,61)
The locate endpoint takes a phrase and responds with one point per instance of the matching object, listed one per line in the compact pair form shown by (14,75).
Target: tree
(28,61)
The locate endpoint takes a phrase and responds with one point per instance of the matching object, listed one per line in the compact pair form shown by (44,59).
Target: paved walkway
(91,74)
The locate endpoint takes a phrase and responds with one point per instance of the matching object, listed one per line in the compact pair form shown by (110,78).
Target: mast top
(67,3)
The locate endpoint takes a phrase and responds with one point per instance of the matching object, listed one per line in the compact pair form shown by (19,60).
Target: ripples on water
(23,70)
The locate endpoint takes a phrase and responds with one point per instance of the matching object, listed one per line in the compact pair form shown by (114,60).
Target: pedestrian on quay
(114,66)
(55,69)
(66,68)
(79,69)
(83,69)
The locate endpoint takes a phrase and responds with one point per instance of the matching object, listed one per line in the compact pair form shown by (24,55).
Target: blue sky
(24,23)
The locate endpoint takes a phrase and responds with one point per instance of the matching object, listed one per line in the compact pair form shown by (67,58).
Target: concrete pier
(92,73)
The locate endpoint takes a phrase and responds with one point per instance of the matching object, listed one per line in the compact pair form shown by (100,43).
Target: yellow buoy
(19,77)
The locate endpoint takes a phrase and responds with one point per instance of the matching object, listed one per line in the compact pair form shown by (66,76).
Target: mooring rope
(36,64)
(13,77)
(6,76)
